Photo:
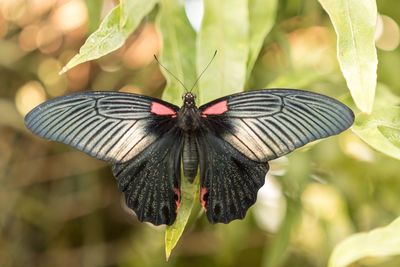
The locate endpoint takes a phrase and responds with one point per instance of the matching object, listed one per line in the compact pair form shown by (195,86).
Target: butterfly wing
(267,124)
(110,126)
(246,130)
(151,180)
(137,133)
(229,180)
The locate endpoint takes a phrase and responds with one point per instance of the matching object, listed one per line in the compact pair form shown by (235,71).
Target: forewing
(111,126)
(229,180)
(267,124)
(151,181)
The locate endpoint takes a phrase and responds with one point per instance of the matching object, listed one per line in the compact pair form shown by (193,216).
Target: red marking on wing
(216,109)
(160,109)
(178,198)
(203,192)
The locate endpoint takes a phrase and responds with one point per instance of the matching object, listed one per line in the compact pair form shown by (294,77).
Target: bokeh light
(29,96)
(145,46)
(70,15)
(387,33)
(48,38)
(270,208)
(27,38)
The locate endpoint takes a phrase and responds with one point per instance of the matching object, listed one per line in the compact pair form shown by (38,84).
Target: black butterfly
(230,139)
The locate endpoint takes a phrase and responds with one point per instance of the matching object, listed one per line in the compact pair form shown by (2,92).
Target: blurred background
(59,207)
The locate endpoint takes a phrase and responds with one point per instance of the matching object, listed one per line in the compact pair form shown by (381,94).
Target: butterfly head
(189,100)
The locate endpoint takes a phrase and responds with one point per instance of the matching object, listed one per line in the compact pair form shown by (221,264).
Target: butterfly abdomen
(190,157)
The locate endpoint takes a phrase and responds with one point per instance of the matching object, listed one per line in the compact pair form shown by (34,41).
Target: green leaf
(189,195)
(94,11)
(296,79)
(354,22)
(293,183)
(262,16)
(380,242)
(178,56)
(132,13)
(179,46)
(112,32)
(225,28)
(381,129)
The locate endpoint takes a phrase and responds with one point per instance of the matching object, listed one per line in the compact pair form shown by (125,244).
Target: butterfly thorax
(189,115)
(189,121)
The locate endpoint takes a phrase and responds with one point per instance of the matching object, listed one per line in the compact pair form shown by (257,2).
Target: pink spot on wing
(203,192)
(160,109)
(178,197)
(216,109)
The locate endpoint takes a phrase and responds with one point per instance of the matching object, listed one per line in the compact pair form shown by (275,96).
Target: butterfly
(229,141)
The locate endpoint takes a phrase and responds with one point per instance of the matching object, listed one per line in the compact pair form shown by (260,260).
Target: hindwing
(229,180)
(151,180)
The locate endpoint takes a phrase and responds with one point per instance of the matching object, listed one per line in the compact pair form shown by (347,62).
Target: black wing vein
(266,124)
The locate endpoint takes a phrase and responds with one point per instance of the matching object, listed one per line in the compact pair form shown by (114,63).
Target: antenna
(201,74)
(176,78)
(170,72)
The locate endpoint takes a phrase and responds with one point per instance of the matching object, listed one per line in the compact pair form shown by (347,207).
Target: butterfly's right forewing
(267,124)
(136,133)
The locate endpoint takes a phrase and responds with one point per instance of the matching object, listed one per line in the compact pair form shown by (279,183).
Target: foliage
(331,190)
(355,23)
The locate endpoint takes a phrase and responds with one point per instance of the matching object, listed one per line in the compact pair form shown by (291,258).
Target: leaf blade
(380,242)
(354,22)
(380,130)
(190,192)
(179,46)
(262,16)
(111,33)
(224,22)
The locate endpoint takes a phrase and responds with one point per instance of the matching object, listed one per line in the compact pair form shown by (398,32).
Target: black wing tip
(226,220)
(30,116)
(347,111)
(157,220)
(214,218)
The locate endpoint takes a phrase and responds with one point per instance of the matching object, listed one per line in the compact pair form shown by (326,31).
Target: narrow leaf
(354,22)
(293,183)
(178,57)
(380,242)
(132,13)
(111,33)
(179,49)
(381,129)
(262,16)
(225,28)
(94,12)
(189,194)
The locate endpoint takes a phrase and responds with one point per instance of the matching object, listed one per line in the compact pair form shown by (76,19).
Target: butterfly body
(229,141)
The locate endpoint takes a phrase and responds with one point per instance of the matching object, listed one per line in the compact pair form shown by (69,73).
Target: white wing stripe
(107,125)
(278,121)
